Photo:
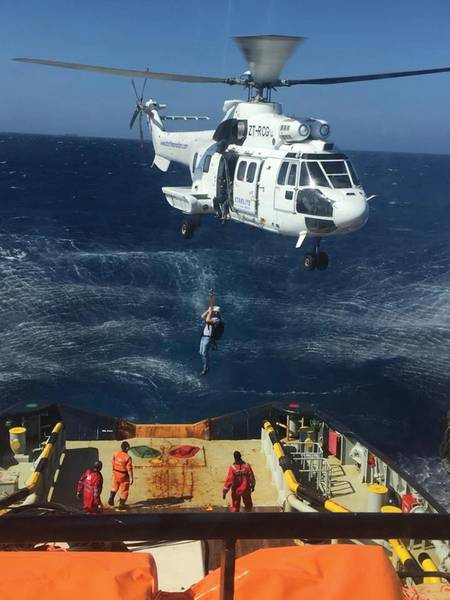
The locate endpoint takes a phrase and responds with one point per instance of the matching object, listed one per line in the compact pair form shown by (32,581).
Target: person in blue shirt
(211,317)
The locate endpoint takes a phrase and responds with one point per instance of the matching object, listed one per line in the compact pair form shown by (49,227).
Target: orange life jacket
(122,463)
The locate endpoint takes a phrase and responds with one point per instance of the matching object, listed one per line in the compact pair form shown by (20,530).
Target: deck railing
(43,473)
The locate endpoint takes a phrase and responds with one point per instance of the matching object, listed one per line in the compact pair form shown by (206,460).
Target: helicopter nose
(351,212)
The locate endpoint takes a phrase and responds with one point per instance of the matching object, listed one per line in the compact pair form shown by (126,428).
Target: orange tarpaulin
(332,572)
(78,575)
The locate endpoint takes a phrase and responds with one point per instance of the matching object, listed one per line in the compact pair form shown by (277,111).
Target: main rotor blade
(135,114)
(266,55)
(143,88)
(135,90)
(141,133)
(353,78)
(131,72)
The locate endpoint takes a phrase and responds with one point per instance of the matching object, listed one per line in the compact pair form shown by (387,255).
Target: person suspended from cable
(212,331)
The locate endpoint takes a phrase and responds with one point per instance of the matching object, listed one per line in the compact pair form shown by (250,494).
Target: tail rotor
(140,108)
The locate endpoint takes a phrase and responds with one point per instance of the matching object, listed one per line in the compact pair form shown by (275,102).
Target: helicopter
(259,166)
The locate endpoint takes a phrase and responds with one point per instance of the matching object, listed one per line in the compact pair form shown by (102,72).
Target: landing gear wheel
(309,262)
(322,261)
(187,229)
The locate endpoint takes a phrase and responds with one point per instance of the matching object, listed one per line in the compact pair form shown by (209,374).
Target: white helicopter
(259,166)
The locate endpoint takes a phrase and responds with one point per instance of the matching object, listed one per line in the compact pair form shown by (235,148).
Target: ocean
(100,298)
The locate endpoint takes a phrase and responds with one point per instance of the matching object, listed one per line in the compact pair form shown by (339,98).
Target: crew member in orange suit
(122,467)
(90,487)
(241,481)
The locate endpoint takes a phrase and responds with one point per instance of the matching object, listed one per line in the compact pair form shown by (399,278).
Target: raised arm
(206,316)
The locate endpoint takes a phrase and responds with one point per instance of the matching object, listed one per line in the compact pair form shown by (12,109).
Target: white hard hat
(216,308)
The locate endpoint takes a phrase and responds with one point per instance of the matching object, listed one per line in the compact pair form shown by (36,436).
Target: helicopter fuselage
(262,168)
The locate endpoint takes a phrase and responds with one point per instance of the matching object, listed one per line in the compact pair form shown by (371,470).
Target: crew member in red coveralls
(241,481)
(90,487)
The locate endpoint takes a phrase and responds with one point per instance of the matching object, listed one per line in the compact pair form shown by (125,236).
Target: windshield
(337,173)
(353,174)
(313,175)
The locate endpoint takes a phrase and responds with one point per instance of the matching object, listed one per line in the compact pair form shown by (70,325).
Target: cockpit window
(316,174)
(304,175)
(282,174)
(353,174)
(337,173)
(292,174)
(334,167)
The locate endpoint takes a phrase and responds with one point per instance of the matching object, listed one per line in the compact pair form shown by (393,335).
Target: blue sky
(344,38)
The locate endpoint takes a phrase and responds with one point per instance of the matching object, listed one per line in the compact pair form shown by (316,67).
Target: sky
(349,37)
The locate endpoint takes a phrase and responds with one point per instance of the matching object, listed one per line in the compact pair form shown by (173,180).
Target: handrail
(20,528)
(192,525)
(44,457)
(39,468)
(397,546)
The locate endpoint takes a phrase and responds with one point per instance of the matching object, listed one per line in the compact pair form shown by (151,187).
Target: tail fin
(157,129)
(162,163)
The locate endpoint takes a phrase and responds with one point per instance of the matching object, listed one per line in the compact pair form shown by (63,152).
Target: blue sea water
(100,298)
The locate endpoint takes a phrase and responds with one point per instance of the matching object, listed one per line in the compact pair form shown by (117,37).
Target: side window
(251,172)
(194,162)
(241,170)
(282,174)
(304,177)
(206,163)
(292,174)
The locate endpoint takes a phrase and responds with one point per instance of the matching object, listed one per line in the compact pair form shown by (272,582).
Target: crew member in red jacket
(241,481)
(122,467)
(90,487)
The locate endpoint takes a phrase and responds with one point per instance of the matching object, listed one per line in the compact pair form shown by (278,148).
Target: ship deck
(166,482)
(346,486)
